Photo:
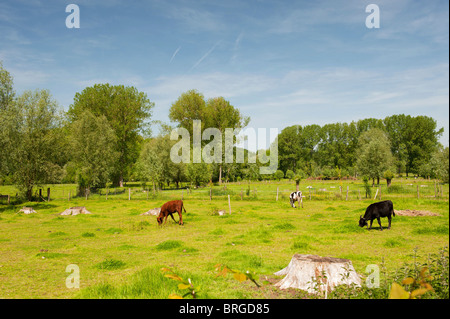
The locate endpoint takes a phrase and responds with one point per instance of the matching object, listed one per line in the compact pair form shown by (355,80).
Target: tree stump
(76,211)
(27,210)
(317,274)
(154,211)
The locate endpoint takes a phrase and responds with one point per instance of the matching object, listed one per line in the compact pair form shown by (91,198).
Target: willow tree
(37,155)
(374,155)
(128,112)
(213,113)
(92,143)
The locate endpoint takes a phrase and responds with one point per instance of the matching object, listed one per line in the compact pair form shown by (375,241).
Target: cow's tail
(182,206)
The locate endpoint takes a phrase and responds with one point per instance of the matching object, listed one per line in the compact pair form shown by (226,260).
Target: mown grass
(120,253)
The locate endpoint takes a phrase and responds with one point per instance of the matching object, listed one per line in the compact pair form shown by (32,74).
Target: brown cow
(168,209)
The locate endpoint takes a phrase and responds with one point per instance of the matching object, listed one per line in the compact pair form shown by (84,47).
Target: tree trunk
(30,193)
(388,181)
(317,274)
(220,174)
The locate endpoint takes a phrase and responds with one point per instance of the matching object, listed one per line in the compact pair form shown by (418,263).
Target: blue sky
(280,62)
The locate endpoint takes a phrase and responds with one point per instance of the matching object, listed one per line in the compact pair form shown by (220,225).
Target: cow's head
(362,221)
(159,219)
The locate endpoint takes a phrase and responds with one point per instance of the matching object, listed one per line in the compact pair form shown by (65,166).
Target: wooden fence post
(106,193)
(418,196)
(69,196)
(346,196)
(229,204)
(435,193)
(48,194)
(129,193)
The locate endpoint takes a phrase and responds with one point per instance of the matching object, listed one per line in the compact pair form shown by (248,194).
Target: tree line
(107,136)
(369,147)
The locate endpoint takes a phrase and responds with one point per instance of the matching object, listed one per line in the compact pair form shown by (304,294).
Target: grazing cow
(295,196)
(377,210)
(168,209)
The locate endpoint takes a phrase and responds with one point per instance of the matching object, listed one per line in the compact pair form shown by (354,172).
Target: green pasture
(120,252)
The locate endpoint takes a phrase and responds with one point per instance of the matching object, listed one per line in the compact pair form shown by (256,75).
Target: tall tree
(220,114)
(215,113)
(188,107)
(6,88)
(374,154)
(38,148)
(8,120)
(92,152)
(128,112)
(289,147)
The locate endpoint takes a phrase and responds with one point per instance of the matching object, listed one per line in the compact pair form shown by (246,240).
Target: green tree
(93,153)
(214,113)
(150,164)
(422,141)
(37,154)
(289,147)
(279,174)
(198,173)
(9,118)
(154,163)
(128,112)
(439,164)
(6,88)
(220,114)
(188,107)
(374,154)
(290,174)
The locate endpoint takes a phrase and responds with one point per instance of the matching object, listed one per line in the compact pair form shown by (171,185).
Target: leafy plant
(420,284)
(223,270)
(183,285)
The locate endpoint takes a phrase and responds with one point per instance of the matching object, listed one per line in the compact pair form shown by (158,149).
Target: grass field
(120,253)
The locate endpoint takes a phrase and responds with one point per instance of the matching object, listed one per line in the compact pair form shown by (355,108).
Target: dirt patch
(413,212)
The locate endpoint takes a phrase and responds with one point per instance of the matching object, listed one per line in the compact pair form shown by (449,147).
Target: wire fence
(261,191)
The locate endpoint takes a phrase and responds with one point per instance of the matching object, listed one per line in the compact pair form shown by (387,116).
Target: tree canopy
(128,112)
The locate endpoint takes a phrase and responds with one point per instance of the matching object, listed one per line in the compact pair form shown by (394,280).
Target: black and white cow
(295,196)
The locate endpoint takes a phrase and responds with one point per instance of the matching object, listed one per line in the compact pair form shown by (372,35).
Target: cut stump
(315,273)
(154,212)
(27,210)
(76,211)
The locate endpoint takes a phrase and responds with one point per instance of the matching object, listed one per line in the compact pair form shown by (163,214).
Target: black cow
(377,210)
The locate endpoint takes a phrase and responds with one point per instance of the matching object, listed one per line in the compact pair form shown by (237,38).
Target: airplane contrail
(204,56)
(174,54)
